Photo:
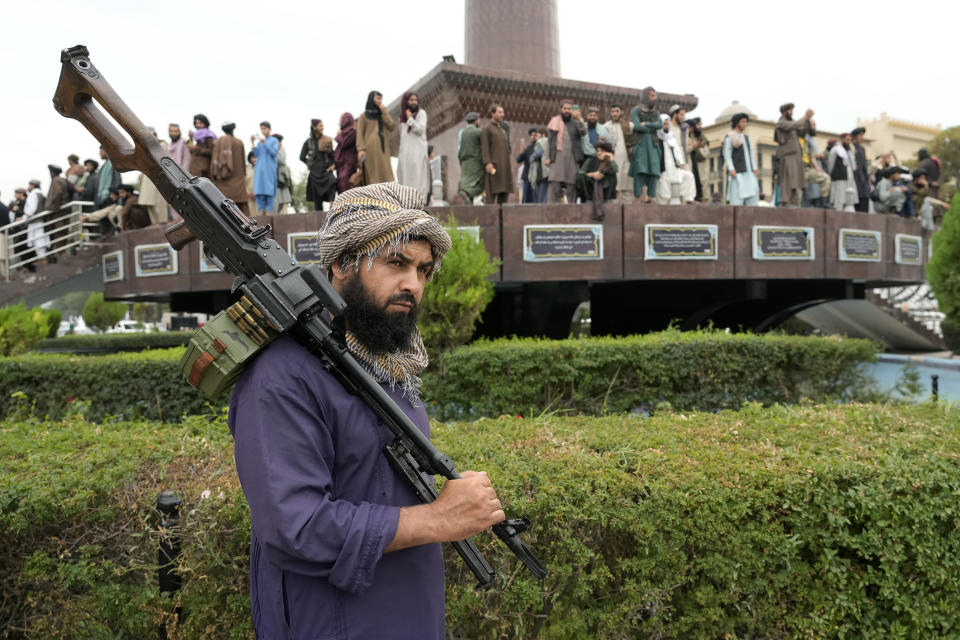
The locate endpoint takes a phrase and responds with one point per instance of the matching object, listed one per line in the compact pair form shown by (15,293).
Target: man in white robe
(37,237)
(618,129)
(674,163)
(413,166)
(742,187)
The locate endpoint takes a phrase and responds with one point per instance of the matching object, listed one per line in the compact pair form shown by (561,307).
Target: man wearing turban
(340,546)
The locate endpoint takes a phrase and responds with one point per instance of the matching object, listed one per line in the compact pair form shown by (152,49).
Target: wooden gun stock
(83,94)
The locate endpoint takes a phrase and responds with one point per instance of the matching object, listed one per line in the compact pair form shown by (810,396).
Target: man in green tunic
(645,156)
(471,160)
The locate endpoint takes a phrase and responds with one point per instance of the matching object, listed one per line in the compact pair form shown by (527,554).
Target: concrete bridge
(640,268)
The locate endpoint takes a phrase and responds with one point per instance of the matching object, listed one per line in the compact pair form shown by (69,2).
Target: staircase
(915,306)
(25,276)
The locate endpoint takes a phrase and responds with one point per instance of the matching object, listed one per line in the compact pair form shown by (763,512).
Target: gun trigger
(519,525)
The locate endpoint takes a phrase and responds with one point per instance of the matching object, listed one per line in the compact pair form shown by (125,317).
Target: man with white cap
(675,170)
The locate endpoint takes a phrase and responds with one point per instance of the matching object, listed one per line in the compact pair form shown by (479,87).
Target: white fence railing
(63,228)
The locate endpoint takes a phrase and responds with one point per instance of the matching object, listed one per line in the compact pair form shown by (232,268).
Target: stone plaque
(155,260)
(555,242)
(859,245)
(113,266)
(909,249)
(680,241)
(206,264)
(782,243)
(303,246)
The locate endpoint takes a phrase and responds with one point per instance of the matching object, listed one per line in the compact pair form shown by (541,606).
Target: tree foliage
(21,328)
(946,146)
(100,314)
(459,293)
(943,269)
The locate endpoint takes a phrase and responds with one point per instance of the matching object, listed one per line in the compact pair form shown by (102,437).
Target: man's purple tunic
(324,504)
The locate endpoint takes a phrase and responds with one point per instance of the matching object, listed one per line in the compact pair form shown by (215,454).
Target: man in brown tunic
(201,146)
(495,151)
(788,131)
(133,215)
(373,140)
(59,194)
(227,168)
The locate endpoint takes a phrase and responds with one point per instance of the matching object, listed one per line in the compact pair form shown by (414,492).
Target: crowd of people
(637,154)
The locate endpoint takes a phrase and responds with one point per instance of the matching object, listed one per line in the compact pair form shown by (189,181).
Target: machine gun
(277,295)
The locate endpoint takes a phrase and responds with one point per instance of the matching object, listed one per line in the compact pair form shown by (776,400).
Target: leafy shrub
(705,370)
(145,384)
(53,322)
(943,269)
(21,327)
(112,342)
(803,522)
(100,314)
(461,290)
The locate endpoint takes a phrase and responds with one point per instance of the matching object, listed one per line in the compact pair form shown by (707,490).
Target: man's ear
(339,272)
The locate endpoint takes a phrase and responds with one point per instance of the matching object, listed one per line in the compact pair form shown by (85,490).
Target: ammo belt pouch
(220,349)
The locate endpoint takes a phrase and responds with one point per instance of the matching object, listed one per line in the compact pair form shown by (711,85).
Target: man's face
(253,160)
(534,136)
(788,113)
(592,117)
(123,193)
(383,301)
(616,113)
(198,124)
(265,131)
(497,115)
(679,116)
(845,140)
(857,139)
(413,101)
(604,156)
(103,153)
(174,132)
(742,124)
(318,129)
(113,196)
(378,99)
(88,167)
(653,96)
(20,195)
(566,109)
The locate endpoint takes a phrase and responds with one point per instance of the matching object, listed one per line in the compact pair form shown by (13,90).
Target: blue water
(888,369)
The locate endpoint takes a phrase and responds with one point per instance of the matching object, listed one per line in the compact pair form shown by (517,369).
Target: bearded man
(340,546)
(645,155)
(565,134)
(620,131)
(787,134)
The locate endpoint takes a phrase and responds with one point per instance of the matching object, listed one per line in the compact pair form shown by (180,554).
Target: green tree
(100,314)
(946,146)
(139,312)
(53,321)
(943,272)
(71,304)
(20,328)
(300,203)
(461,290)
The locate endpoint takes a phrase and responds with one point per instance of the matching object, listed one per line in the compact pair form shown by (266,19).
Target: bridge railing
(64,230)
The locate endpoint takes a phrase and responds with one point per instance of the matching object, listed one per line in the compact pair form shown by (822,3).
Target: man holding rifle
(341,547)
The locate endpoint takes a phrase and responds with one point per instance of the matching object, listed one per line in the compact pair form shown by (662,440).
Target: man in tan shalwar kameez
(373,140)
(788,131)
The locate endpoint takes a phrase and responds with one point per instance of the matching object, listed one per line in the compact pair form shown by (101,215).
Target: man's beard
(379,330)
(174,138)
(566,117)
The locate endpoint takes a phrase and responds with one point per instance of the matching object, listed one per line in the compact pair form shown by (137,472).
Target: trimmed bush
(114,342)
(705,370)
(21,328)
(123,386)
(802,522)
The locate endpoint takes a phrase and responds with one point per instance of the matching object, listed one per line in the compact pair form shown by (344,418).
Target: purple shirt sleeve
(285,455)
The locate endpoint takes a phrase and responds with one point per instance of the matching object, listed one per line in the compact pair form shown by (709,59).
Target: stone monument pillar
(515,35)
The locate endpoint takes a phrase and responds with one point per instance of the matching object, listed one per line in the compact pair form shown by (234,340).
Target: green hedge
(806,522)
(702,370)
(112,342)
(705,370)
(124,386)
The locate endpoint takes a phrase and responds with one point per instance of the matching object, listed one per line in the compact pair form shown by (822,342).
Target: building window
(711,159)
(759,158)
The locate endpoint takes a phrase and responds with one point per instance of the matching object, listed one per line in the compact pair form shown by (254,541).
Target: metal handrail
(14,250)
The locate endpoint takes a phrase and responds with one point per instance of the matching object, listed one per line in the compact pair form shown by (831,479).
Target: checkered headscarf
(364,220)
(360,224)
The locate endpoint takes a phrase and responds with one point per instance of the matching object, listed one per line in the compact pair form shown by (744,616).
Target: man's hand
(361,156)
(546,162)
(409,114)
(808,114)
(464,508)
(578,115)
(490,168)
(756,173)
(596,175)
(733,173)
